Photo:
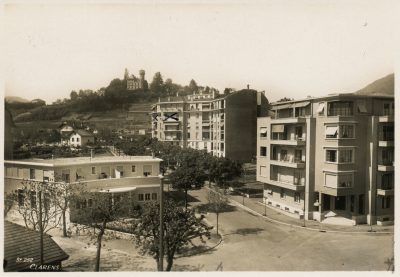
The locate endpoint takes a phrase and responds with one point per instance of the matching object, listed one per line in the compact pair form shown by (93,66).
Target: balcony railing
(294,182)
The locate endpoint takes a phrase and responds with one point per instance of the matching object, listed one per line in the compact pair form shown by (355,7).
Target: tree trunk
(64,224)
(186,194)
(41,228)
(170,262)
(217,222)
(99,239)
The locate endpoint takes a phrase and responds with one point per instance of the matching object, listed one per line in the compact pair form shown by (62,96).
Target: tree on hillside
(193,86)
(157,83)
(180,228)
(73,95)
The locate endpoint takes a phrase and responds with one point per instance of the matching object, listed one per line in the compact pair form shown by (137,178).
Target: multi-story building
(133,177)
(225,126)
(330,159)
(134,83)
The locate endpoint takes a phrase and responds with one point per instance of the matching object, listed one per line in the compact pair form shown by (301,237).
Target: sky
(289,49)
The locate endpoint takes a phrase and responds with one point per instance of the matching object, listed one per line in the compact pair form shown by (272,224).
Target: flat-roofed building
(225,126)
(134,177)
(330,159)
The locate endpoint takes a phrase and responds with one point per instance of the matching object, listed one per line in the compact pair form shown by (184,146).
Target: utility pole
(161,247)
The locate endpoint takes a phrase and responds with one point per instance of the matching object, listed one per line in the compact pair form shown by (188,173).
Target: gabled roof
(20,242)
(83,133)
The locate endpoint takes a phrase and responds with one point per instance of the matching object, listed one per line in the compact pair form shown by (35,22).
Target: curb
(304,228)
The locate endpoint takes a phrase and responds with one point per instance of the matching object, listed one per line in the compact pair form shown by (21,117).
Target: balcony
(296,186)
(386,143)
(299,141)
(108,183)
(386,118)
(385,191)
(284,120)
(288,162)
(385,165)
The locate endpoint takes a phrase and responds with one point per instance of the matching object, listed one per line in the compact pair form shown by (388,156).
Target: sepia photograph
(199,136)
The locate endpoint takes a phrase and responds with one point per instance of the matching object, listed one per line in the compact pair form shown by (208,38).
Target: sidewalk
(256,206)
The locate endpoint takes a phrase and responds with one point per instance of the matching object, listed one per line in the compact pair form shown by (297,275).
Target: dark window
(361,204)
(297,197)
(352,203)
(386,202)
(340,108)
(141,197)
(93,170)
(340,203)
(282,194)
(331,155)
(32,173)
(154,196)
(263,151)
(147,196)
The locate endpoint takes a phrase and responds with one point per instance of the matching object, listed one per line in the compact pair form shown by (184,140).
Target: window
(222,147)
(263,132)
(361,106)
(188,135)
(32,173)
(387,181)
(263,171)
(340,108)
(93,170)
(32,197)
(147,196)
(263,151)
(386,202)
(299,132)
(361,204)
(284,156)
(147,170)
(20,197)
(298,153)
(283,194)
(331,132)
(352,203)
(345,180)
(346,156)
(330,156)
(73,139)
(120,169)
(133,168)
(90,203)
(346,131)
(297,197)
(154,196)
(141,197)
(321,107)
(77,139)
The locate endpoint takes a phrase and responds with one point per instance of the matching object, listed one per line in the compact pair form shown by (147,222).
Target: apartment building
(134,178)
(330,159)
(225,126)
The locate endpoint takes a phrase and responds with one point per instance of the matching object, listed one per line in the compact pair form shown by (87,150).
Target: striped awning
(116,190)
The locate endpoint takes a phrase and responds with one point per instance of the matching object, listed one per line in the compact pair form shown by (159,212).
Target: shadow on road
(208,208)
(246,231)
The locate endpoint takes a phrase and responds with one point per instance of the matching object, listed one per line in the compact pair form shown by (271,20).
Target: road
(252,244)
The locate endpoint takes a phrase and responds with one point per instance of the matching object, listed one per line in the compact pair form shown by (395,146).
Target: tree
(180,228)
(284,99)
(73,95)
(225,169)
(65,193)
(185,178)
(193,86)
(97,209)
(157,83)
(217,201)
(36,205)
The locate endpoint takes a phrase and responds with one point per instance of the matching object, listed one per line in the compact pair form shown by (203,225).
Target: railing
(295,183)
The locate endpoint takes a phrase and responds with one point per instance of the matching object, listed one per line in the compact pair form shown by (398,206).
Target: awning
(284,106)
(115,190)
(331,130)
(321,107)
(361,107)
(278,128)
(302,104)
(263,130)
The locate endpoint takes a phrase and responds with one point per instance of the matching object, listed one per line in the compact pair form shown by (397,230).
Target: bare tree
(36,204)
(95,211)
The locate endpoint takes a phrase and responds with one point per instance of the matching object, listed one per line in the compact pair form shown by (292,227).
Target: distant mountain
(15,99)
(383,86)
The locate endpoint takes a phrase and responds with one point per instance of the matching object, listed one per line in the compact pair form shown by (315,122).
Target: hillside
(383,86)
(15,99)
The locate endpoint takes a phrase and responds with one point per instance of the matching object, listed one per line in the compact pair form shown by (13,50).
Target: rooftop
(83,160)
(22,242)
(330,96)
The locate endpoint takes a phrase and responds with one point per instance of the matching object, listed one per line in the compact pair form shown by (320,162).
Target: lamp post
(304,211)
(161,247)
